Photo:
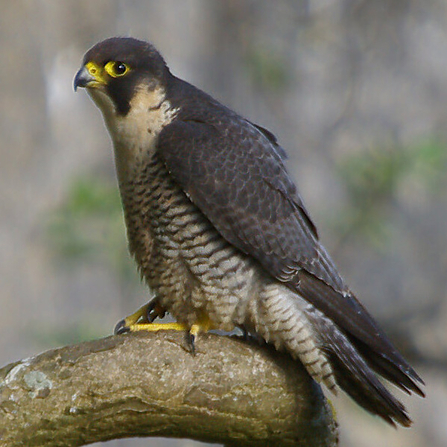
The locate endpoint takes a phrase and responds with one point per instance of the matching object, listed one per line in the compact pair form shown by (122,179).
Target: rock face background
(356,91)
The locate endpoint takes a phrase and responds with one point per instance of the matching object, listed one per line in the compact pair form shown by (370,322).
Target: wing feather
(233,171)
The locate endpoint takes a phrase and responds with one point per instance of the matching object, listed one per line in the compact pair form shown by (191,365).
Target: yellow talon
(154,327)
(203,325)
(195,330)
(141,321)
(143,316)
(140,314)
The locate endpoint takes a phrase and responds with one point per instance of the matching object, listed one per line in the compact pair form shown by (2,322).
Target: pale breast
(180,254)
(183,258)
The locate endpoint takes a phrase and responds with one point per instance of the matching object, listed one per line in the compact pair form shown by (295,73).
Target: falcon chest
(183,258)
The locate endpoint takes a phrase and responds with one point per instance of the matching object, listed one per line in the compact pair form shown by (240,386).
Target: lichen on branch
(232,392)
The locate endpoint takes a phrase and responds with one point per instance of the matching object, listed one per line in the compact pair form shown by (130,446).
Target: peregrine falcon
(220,233)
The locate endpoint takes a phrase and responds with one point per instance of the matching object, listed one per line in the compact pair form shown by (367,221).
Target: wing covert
(238,180)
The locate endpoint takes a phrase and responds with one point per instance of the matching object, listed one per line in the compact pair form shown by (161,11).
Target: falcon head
(115,70)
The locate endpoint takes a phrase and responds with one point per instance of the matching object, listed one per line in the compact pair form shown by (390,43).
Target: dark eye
(120,68)
(116,68)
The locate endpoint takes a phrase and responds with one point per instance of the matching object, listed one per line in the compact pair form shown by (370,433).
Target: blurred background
(356,91)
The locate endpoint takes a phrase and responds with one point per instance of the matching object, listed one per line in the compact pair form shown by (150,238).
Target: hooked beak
(83,78)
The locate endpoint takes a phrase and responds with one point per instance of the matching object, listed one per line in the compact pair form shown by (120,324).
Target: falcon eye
(116,69)
(120,68)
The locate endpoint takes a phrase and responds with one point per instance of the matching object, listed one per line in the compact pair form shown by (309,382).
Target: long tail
(358,349)
(332,355)
(354,373)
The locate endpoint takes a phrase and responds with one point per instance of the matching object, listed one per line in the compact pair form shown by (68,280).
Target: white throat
(134,135)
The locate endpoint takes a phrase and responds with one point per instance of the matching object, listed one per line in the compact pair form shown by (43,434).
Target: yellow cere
(93,68)
(96,71)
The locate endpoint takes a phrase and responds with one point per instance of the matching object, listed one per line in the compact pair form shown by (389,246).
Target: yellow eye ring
(116,69)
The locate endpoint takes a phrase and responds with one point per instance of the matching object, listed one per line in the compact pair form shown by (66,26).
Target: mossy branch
(231,392)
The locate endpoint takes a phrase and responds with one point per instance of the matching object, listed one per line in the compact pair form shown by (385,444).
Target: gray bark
(232,392)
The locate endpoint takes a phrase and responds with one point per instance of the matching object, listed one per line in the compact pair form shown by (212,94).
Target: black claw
(154,311)
(151,315)
(121,328)
(245,333)
(191,342)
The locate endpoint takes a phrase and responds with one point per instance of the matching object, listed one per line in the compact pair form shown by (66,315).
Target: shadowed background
(356,92)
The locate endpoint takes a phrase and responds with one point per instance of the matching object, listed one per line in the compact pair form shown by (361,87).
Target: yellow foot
(203,325)
(144,315)
(154,327)
(191,332)
(194,330)
(141,321)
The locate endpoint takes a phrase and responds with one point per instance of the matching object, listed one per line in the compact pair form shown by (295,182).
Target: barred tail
(331,355)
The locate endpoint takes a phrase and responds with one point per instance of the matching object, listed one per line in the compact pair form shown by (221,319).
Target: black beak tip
(81,79)
(77,81)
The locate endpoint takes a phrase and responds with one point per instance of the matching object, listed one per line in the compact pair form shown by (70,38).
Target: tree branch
(147,384)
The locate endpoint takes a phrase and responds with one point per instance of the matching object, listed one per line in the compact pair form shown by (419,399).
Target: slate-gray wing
(233,173)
